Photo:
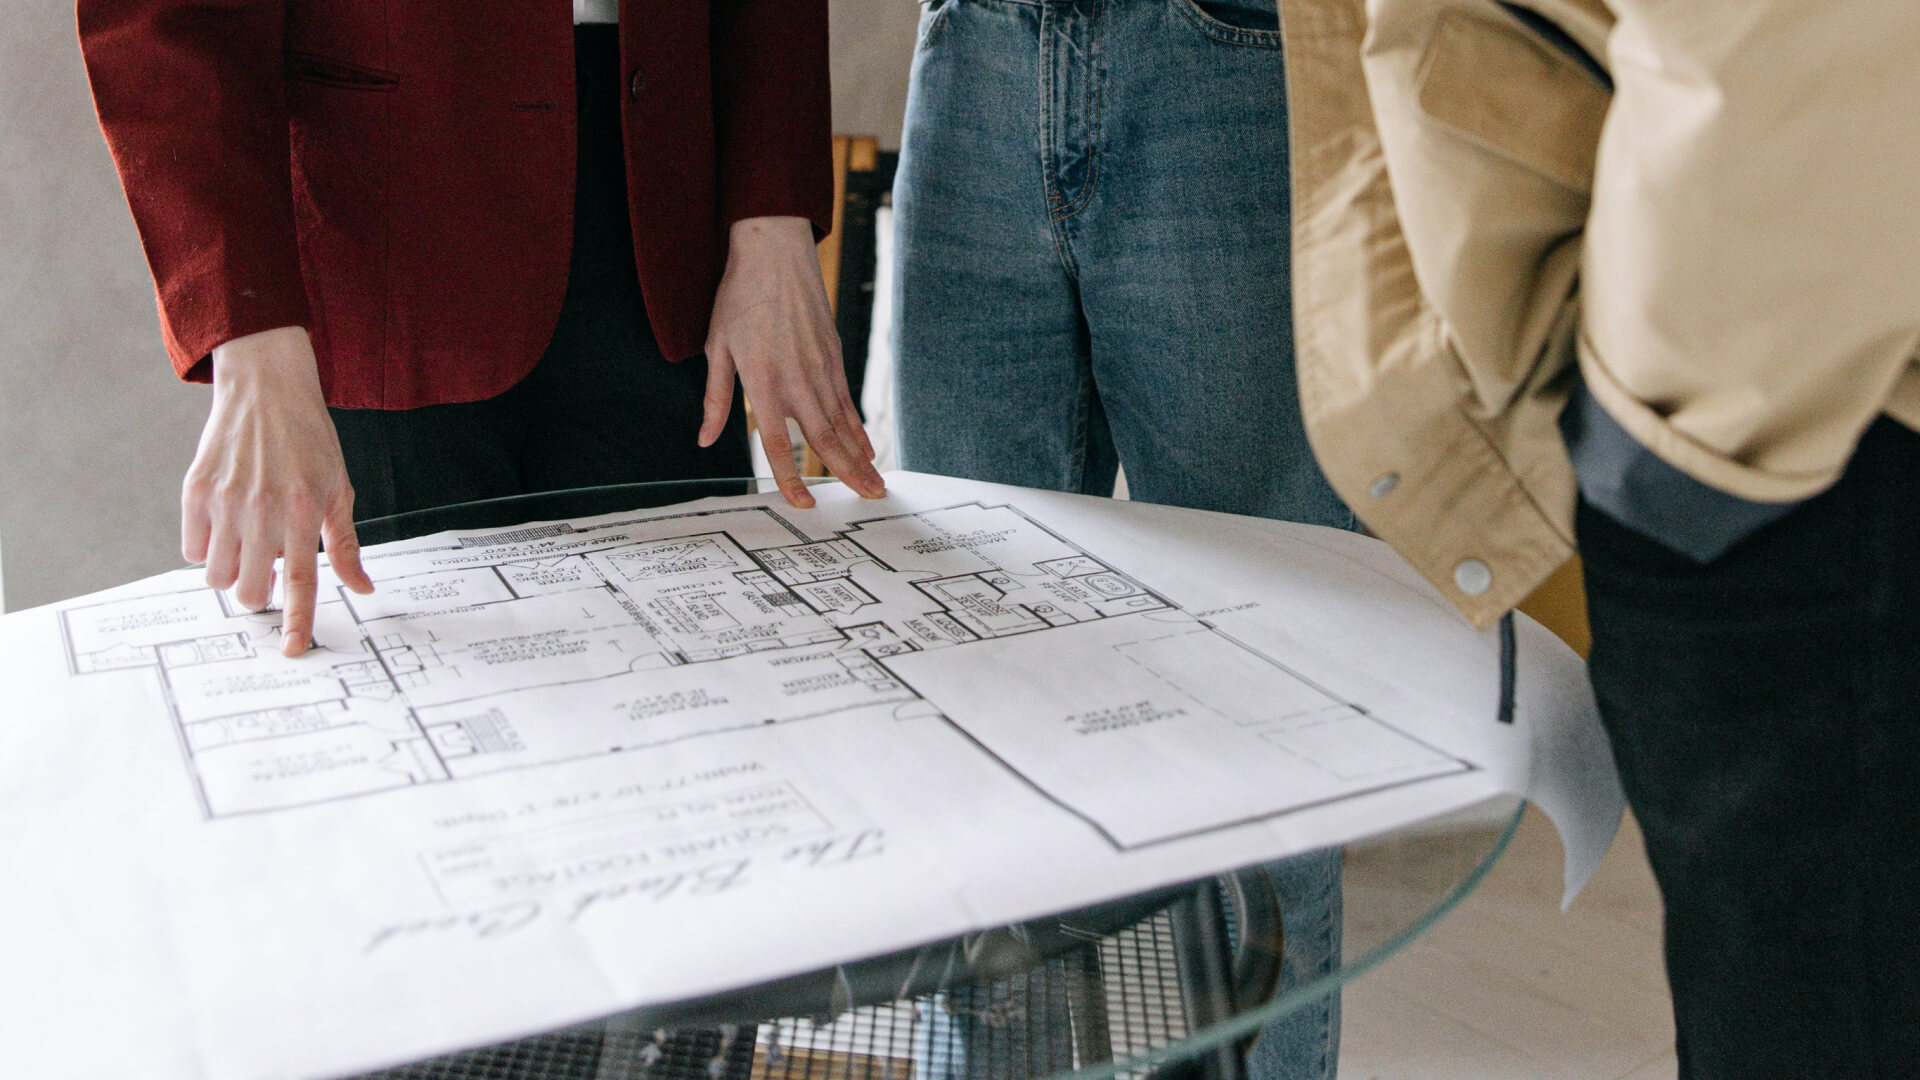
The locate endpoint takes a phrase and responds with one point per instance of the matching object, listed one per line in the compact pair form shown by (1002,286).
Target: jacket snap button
(1473,577)
(636,83)
(1384,486)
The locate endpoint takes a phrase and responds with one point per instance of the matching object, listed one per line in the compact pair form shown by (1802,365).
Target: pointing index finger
(302,584)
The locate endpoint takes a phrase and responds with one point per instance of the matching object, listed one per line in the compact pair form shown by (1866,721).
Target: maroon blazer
(398,177)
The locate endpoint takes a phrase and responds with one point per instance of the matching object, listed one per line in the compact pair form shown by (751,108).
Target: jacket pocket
(323,71)
(1501,87)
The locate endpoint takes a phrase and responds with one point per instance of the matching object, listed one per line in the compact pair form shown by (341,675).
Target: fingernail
(295,644)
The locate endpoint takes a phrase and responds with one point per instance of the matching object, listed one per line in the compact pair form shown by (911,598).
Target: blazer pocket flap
(1495,83)
(325,71)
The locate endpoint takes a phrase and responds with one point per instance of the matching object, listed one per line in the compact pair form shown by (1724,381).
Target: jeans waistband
(1268,6)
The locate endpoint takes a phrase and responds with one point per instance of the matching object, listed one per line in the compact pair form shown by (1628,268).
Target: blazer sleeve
(191,96)
(772,106)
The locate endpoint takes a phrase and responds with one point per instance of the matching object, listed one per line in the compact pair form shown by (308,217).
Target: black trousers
(602,407)
(1765,713)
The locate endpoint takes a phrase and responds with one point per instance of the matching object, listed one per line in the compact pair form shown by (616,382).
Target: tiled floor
(1509,988)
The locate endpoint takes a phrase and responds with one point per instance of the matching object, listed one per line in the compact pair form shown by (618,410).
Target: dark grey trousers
(1765,712)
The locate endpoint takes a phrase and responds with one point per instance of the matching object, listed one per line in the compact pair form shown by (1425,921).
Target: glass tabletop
(1175,982)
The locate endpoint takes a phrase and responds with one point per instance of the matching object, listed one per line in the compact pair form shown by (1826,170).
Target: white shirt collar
(596,11)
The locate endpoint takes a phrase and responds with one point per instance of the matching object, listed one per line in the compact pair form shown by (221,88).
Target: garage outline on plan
(557,642)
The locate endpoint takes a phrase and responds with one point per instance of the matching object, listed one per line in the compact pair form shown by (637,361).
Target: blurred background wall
(872,49)
(94,430)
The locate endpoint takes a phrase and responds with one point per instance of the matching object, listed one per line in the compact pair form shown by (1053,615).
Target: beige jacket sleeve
(1437,217)
(1751,274)
(1727,240)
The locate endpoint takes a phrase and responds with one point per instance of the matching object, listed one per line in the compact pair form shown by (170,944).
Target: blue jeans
(1092,263)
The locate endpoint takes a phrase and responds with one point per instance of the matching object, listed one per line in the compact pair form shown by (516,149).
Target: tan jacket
(1729,242)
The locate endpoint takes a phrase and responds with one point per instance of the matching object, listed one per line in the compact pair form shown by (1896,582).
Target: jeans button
(636,83)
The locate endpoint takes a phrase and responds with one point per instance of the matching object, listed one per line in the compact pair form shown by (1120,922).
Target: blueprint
(529,780)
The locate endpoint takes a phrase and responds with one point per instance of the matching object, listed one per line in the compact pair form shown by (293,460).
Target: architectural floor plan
(560,770)
(526,648)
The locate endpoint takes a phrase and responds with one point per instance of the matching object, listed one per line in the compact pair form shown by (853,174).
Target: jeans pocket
(933,15)
(1234,22)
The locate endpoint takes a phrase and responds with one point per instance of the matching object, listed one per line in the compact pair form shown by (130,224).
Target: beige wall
(872,47)
(94,431)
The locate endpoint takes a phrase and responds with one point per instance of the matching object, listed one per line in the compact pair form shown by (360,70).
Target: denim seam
(1082,423)
(1329,1039)
(1091,108)
(1046,110)
(1223,32)
(1062,243)
(1328,1033)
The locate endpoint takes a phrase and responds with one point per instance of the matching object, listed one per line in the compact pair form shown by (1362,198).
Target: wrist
(769,235)
(272,355)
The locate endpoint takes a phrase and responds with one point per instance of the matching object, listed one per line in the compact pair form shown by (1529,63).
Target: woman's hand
(772,326)
(268,482)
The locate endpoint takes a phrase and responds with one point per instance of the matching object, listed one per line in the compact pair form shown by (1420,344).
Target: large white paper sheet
(549,773)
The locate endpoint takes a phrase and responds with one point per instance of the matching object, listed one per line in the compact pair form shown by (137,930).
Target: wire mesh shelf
(1108,997)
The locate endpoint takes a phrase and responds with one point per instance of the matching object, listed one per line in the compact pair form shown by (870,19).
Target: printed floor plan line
(534,646)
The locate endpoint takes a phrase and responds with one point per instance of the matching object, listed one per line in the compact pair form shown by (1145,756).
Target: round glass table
(1174,982)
